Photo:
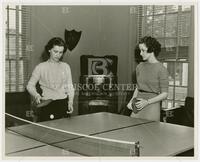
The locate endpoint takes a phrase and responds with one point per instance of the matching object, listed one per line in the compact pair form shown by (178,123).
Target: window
(17,40)
(171,26)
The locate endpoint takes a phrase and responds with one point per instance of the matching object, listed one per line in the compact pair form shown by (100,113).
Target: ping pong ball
(51,116)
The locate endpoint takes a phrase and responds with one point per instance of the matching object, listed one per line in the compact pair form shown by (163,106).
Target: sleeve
(163,79)
(35,77)
(69,85)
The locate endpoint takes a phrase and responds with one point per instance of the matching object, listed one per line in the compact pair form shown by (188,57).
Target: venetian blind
(18,27)
(170,25)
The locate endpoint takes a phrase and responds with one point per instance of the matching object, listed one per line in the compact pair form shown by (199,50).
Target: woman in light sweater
(55,80)
(152,82)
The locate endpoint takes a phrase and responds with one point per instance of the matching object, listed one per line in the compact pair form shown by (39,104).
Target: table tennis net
(81,144)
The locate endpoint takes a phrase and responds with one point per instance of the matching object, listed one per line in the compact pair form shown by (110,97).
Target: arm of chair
(170,114)
(171,108)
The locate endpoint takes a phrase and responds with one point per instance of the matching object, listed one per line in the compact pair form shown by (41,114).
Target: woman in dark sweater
(152,82)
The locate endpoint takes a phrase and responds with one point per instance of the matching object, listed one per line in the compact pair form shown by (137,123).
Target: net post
(136,149)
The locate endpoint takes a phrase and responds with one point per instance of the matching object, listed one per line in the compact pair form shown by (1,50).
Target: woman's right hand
(129,105)
(37,99)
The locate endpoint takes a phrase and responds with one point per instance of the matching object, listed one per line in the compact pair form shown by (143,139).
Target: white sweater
(55,81)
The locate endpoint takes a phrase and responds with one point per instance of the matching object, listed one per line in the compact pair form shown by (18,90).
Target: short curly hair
(152,45)
(56,41)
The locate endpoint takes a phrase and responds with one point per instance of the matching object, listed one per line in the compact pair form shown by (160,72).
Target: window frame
(177,59)
(21,39)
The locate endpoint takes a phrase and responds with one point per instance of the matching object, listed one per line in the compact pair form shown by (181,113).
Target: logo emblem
(72,38)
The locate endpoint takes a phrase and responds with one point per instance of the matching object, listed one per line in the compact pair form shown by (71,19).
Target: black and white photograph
(99,80)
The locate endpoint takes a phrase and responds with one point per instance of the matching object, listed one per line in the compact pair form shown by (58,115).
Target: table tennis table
(155,138)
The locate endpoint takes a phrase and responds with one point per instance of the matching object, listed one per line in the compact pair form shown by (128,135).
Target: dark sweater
(152,77)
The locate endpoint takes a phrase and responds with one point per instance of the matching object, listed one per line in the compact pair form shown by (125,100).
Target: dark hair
(152,45)
(56,41)
(138,57)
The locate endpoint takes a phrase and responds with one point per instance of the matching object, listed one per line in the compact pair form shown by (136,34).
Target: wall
(106,30)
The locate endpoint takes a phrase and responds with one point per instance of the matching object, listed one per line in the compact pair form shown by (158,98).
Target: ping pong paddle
(43,103)
(135,110)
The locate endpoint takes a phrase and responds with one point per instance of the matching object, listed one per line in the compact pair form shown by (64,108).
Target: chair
(188,120)
(182,115)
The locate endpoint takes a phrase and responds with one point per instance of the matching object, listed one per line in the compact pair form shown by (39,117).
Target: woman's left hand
(70,108)
(141,103)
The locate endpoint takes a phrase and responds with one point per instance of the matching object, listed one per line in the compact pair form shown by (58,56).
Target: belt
(140,90)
